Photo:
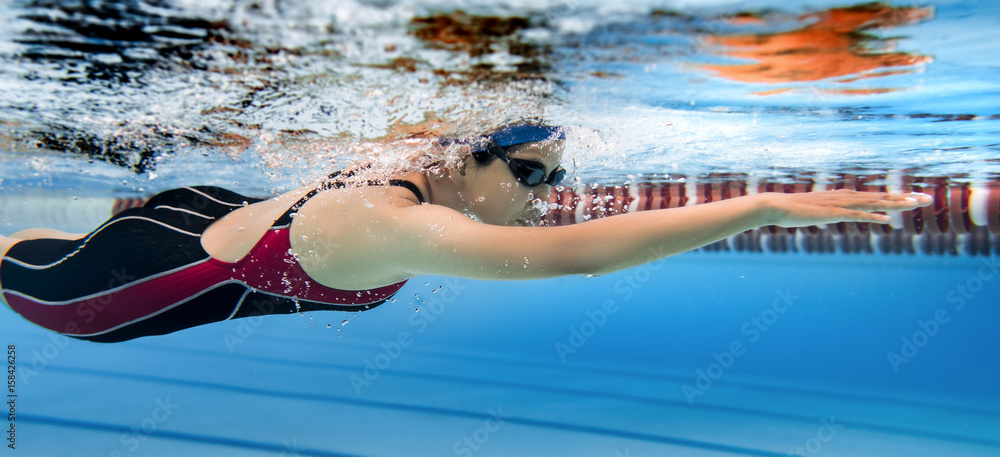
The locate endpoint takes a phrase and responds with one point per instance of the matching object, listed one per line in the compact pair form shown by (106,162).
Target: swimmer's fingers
(797,210)
(862,210)
(881,201)
(860,216)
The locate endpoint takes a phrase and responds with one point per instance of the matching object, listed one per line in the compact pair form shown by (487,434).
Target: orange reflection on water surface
(834,44)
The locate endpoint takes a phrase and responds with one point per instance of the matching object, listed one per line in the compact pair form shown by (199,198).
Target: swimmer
(197,255)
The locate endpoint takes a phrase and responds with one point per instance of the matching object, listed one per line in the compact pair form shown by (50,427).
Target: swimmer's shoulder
(343,237)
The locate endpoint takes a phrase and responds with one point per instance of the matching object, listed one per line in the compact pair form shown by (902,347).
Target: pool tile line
(586,429)
(179,436)
(736,383)
(828,394)
(753,413)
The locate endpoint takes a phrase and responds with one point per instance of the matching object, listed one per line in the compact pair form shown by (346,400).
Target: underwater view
(835,339)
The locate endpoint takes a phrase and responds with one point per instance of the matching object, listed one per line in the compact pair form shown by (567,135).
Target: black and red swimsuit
(144,272)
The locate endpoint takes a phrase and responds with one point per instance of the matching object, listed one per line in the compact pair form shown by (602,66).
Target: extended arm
(430,239)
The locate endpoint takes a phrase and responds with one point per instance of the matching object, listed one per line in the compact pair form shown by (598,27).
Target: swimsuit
(144,272)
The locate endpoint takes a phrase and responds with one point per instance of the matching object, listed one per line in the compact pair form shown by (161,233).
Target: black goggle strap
(525,171)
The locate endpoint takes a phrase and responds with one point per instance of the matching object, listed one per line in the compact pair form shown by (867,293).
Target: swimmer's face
(496,197)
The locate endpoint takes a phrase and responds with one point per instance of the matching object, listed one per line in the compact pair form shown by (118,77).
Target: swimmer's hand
(812,208)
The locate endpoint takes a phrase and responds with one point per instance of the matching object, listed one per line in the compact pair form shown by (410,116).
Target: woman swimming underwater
(198,255)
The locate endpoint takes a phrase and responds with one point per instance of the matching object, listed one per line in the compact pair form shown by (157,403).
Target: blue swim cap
(510,136)
(526,133)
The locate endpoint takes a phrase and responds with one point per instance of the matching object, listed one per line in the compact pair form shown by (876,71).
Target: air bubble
(540,205)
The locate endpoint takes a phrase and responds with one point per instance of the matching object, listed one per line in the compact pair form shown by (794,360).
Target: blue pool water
(291,384)
(710,353)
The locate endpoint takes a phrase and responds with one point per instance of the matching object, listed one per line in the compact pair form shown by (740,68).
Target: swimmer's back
(321,226)
(232,237)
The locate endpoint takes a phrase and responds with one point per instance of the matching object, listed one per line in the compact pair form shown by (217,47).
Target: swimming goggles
(528,172)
